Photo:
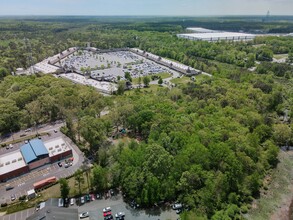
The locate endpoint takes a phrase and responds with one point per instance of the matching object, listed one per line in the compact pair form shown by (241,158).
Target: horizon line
(82,15)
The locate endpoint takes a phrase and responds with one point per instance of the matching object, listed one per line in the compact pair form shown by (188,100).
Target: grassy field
(279,191)
(182,80)
(51,192)
(280,56)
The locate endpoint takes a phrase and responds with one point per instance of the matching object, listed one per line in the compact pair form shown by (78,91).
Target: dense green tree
(99,178)
(146,81)
(79,179)
(64,188)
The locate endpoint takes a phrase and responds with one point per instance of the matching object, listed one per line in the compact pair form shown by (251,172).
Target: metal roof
(28,153)
(38,147)
(33,149)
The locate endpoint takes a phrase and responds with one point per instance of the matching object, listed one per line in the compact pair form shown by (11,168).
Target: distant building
(200,30)
(202,34)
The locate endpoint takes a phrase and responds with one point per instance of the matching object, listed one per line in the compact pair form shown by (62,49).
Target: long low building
(32,155)
(218,36)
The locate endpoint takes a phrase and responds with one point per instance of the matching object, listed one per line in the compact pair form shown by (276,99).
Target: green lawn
(280,56)
(182,80)
(199,78)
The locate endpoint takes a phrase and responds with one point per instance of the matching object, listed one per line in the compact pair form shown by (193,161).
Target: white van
(72,201)
(60,202)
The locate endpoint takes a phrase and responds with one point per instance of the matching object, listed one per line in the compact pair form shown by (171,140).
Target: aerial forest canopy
(208,144)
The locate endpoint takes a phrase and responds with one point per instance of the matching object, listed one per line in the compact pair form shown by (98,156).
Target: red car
(106,214)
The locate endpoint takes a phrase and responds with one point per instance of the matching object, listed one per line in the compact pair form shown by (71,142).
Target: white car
(72,201)
(120,215)
(84,215)
(177,206)
(107,209)
(82,200)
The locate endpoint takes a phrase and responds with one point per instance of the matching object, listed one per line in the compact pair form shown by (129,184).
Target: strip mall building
(32,155)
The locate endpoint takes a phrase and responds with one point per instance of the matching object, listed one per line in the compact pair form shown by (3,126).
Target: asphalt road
(50,127)
(25,182)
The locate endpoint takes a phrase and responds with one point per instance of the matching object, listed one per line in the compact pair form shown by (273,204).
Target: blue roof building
(39,147)
(34,150)
(28,153)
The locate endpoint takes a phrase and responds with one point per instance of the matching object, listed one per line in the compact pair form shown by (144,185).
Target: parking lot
(95,209)
(112,65)
(18,215)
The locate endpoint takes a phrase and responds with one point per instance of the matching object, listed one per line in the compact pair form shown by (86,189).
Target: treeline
(156,37)
(208,145)
(30,101)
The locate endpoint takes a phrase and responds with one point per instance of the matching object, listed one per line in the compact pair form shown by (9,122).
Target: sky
(146,7)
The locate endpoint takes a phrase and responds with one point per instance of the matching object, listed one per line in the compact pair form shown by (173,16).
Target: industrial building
(200,30)
(35,153)
(202,34)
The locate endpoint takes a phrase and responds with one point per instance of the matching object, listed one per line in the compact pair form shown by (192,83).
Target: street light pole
(36,127)
(12,135)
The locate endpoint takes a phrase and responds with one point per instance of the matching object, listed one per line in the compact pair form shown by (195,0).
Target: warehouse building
(200,30)
(35,153)
(202,34)
(12,165)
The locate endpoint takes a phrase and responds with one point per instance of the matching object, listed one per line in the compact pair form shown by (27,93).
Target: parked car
(107,209)
(82,200)
(99,196)
(92,197)
(72,201)
(13,197)
(107,214)
(120,215)
(87,198)
(84,215)
(59,164)
(108,217)
(9,188)
(60,203)
(177,206)
(178,211)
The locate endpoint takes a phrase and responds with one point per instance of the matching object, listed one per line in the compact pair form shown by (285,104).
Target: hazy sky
(146,7)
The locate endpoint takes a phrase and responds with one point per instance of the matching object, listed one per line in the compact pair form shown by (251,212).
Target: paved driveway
(18,215)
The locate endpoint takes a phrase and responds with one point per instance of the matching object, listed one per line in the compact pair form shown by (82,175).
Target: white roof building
(11,161)
(57,146)
(219,36)
(200,30)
